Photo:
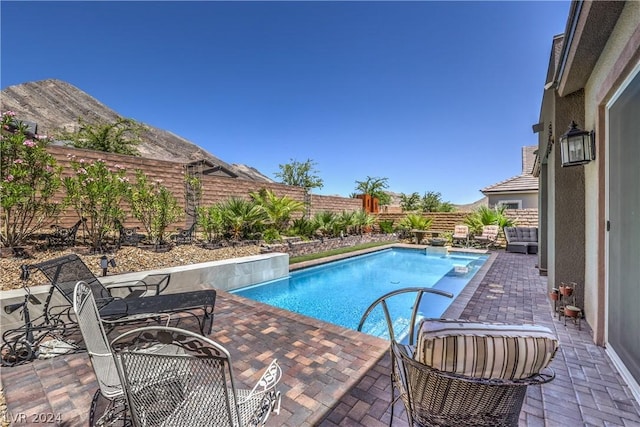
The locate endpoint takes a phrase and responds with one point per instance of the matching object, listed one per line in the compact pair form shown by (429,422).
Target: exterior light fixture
(577,146)
(105,263)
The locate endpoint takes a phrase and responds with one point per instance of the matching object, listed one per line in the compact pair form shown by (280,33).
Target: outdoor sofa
(523,240)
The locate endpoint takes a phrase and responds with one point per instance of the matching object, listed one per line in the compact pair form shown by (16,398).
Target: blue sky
(434,96)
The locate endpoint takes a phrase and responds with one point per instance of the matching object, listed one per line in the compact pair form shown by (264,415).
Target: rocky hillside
(54,105)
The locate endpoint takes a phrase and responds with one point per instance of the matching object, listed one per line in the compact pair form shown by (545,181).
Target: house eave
(582,49)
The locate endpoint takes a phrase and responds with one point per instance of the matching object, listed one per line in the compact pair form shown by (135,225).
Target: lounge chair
(196,388)
(489,236)
(140,297)
(460,236)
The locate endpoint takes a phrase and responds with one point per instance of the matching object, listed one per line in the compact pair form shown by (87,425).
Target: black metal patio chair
(64,236)
(128,236)
(184,236)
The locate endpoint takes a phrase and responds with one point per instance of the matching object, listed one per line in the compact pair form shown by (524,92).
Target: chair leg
(114,414)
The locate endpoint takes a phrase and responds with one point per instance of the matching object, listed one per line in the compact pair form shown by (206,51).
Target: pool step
(400,328)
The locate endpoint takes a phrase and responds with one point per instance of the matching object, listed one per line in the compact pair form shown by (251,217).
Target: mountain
(55,105)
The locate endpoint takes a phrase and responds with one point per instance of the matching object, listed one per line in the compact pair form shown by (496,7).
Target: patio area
(337,377)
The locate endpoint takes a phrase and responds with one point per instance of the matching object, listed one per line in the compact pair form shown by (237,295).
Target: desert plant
(210,221)
(386,226)
(325,223)
(121,136)
(345,223)
(154,206)
(415,222)
(29,177)
(242,219)
(488,216)
(304,227)
(363,221)
(96,191)
(277,209)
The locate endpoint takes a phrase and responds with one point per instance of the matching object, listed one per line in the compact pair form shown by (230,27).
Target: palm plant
(345,223)
(325,222)
(242,218)
(363,221)
(304,227)
(415,222)
(488,216)
(278,210)
(375,186)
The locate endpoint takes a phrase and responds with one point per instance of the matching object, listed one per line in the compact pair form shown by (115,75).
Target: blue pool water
(340,292)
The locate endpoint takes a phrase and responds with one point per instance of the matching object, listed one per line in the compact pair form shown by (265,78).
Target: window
(510,204)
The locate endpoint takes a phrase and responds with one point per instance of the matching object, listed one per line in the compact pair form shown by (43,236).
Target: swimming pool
(340,292)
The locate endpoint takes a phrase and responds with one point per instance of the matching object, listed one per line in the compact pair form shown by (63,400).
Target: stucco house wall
(598,91)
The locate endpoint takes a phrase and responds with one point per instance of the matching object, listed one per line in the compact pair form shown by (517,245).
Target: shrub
(96,191)
(29,177)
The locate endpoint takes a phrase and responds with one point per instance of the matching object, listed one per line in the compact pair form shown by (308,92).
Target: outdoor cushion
(522,239)
(485,350)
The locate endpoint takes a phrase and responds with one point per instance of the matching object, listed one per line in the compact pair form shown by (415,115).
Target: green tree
(432,202)
(154,206)
(375,186)
(121,136)
(410,203)
(29,177)
(96,192)
(300,174)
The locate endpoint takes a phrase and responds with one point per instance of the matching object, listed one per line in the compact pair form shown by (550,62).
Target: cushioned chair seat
(485,350)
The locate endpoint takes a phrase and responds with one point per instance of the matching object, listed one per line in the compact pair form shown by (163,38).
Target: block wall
(214,188)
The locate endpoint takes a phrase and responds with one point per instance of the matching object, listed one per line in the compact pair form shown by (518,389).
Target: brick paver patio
(337,377)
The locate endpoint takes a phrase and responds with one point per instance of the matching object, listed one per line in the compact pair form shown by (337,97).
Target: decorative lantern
(577,146)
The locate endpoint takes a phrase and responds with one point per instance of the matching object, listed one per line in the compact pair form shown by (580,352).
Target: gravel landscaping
(128,259)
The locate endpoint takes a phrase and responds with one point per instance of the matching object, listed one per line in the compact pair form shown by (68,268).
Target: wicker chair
(437,398)
(196,388)
(461,373)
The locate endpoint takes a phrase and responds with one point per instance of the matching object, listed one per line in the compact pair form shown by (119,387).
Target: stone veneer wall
(300,247)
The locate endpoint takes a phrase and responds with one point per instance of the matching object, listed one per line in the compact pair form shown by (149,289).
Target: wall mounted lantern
(577,146)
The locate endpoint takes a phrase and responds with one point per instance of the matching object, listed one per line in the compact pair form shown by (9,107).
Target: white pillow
(485,350)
